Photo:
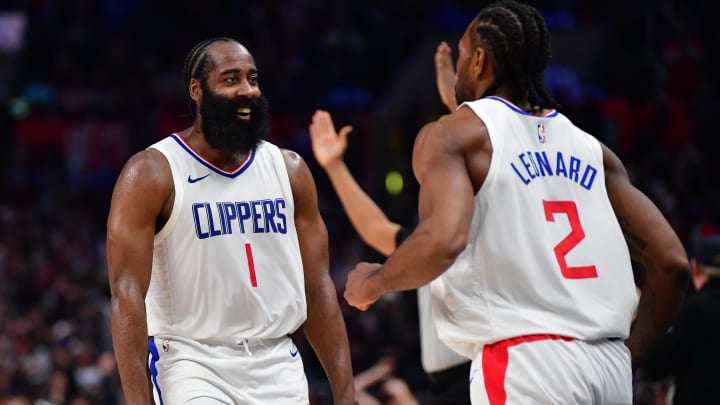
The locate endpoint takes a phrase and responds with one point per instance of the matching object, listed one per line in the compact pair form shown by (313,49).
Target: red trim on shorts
(495,362)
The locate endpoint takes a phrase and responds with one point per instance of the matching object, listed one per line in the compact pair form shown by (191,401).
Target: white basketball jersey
(227,262)
(545,252)
(435,355)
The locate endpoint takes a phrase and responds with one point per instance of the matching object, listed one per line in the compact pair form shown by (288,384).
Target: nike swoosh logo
(293,353)
(191,180)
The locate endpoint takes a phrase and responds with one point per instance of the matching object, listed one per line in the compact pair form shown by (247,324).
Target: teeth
(244,110)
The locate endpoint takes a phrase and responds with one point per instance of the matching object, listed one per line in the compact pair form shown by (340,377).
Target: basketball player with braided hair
(527,229)
(217,252)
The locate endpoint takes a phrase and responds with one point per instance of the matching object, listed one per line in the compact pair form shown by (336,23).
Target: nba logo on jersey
(541,133)
(166,345)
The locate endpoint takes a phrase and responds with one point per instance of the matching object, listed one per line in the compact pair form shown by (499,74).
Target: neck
(506,91)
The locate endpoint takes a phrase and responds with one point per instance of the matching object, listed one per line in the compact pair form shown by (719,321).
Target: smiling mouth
(244,113)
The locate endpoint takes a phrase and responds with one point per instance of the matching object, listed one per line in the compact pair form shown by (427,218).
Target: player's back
(545,253)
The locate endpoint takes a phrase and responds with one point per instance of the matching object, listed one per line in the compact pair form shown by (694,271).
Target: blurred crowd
(86,83)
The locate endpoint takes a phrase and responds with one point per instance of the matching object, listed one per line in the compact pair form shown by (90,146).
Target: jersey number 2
(251,264)
(566,245)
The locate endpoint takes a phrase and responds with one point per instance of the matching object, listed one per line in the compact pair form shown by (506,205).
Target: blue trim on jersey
(518,110)
(210,166)
(153,368)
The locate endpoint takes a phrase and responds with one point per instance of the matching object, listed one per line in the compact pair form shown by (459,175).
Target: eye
(253,79)
(231,79)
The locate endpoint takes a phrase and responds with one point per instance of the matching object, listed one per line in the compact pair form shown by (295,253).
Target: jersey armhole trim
(161,235)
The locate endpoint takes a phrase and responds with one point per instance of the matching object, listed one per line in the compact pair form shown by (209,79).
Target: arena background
(86,83)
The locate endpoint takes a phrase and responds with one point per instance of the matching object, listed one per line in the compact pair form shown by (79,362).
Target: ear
(480,58)
(195,90)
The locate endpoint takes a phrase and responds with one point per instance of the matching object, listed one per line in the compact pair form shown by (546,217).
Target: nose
(247,89)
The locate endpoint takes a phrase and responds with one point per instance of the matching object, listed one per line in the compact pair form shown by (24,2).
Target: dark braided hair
(519,40)
(197,65)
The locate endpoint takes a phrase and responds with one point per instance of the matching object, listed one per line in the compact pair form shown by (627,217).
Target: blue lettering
(543,163)
(243,209)
(282,225)
(560,166)
(230,213)
(534,165)
(196,216)
(527,166)
(211,221)
(524,180)
(588,182)
(537,164)
(221,212)
(269,211)
(256,208)
(574,168)
(266,216)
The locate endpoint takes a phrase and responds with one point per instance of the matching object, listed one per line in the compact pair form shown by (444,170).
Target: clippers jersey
(227,263)
(545,252)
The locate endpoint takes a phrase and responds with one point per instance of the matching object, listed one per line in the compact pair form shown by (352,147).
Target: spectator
(689,352)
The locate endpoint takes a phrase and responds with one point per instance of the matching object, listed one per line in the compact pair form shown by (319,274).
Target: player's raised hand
(445,75)
(357,293)
(328,146)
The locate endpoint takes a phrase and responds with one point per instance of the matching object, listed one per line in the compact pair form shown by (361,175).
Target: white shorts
(545,369)
(238,371)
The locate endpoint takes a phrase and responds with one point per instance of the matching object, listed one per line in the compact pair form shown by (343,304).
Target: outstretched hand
(327,145)
(445,75)
(356,291)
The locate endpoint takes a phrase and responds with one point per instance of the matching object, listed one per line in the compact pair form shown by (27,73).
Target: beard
(223,129)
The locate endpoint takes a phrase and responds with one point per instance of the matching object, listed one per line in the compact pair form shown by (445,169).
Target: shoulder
(462,130)
(301,179)
(294,162)
(147,168)
(301,183)
(148,160)
(612,163)
(142,190)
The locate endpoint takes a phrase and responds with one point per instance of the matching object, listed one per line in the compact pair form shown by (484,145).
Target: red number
(251,264)
(566,245)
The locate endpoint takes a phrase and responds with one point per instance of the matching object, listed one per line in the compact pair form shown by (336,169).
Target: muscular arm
(445,208)
(139,196)
(324,327)
(366,217)
(653,243)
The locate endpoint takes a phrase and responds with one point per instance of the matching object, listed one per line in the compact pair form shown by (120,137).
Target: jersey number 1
(566,245)
(251,264)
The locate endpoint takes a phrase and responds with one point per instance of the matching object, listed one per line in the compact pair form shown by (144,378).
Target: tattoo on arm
(635,244)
